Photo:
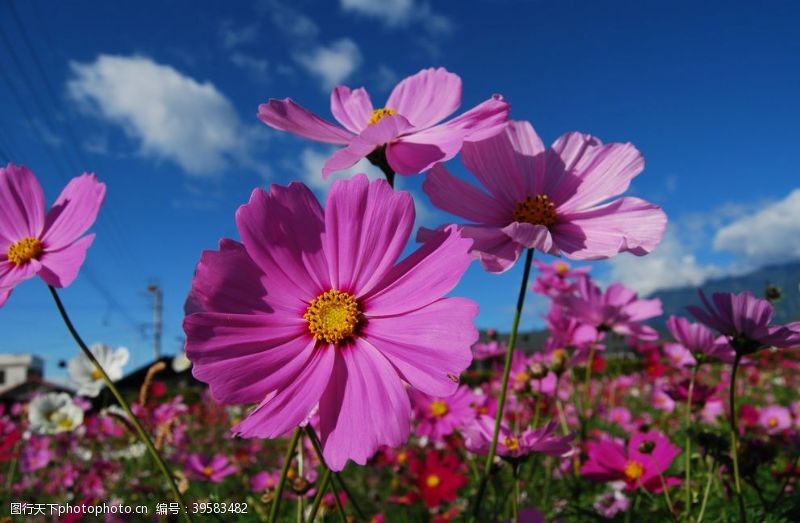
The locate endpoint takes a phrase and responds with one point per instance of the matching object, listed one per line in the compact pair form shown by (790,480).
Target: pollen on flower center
(208,471)
(96,374)
(438,408)
(333,316)
(538,210)
(511,443)
(433,481)
(772,422)
(634,470)
(25,250)
(381,113)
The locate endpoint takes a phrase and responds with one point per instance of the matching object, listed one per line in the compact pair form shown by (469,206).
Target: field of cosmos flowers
(342,381)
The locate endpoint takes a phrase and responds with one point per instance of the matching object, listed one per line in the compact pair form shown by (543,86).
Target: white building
(19,368)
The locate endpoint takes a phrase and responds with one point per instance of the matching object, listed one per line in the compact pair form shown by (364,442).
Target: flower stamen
(25,250)
(333,316)
(634,470)
(381,113)
(438,408)
(538,210)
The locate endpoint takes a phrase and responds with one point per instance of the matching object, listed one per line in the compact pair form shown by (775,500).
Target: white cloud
(258,68)
(671,265)
(399,13)
(770,235)
(333,63)
(291,22)
(233,36)
(171,115)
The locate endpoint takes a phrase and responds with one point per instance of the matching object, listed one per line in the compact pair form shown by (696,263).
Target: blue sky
(159,99)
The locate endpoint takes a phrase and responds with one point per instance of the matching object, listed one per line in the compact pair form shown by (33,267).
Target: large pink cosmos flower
(647,457)
(405,133)
(313,308)
(745,320)
(49,245)
(550,200)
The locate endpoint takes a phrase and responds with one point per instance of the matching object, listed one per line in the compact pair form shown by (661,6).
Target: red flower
(438,479)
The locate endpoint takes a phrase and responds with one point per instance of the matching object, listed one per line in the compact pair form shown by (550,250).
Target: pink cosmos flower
(313,308)
(662,400)
(478,438)
(404,134)
(745,320)
(698,339)
(209,468)
(775,419)
(50,245)
(557,278)
(679,356)
(550,200)
(618,309)
(488,350)
(440,417)
(647,456)
(611,503)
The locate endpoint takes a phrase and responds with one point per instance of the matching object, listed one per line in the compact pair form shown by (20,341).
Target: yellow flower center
(438,408)
(96,374)
(511,443)
(381,113)
(772,422)
(562,268)
(634,470)
(538,210)
(433,481)
(208,471)
(522,376)
(333,316)
(25,250)
(65,423)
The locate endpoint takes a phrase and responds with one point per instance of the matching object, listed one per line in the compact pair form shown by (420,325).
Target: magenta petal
(457,197)
(281,412)
(346,157)
(351,107)
(227,280)
(4,295)
(286,115)
(494,248)
(283,232)
(60,268)
(430,347)
(510,164)
(531,236)
(427,97)
(624,225)
(406,157)
(21,205)
(12,275)
(423,277)
(383,132)
(367,225)
(364,407)
(74,211)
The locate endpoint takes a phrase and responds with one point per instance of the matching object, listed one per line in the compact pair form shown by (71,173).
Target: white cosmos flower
(88,377)
(54,412)
(180,362)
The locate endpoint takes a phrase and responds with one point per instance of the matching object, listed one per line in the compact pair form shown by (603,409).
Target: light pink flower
(406,132)
(50,245)
(314,308)
(679,356)
(698,339)
(775,419)
(550,200)
(209,468)
(478,438)
(440,417)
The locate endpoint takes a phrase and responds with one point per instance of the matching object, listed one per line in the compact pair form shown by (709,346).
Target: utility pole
(154,289)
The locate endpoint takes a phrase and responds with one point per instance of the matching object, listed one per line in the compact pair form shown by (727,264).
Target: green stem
(287,462)
(512,340)
(322,486)
(735,437)
(300,473)
(122,403)
(689,443)
(515,497)
(312,434)
(705,494)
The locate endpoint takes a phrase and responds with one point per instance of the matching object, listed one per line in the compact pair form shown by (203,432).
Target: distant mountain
(785,277)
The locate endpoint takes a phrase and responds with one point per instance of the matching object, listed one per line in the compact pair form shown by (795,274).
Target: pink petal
(374,136)
(510,164)
(624,225)
(531,236)
(227,280)
(457,197)
(423,277)
(583,172)
(281,412)
(427,97)
(430,346)
(367,225)
(417,152)
(283,232)
(364,407)
(351,108)
(60,268)
(243,357)
(286,115)
(74,211)
(12,275)
(4,295)
(21,205)
(494,248)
